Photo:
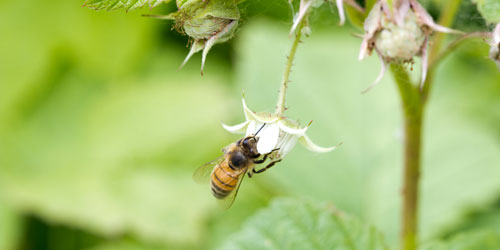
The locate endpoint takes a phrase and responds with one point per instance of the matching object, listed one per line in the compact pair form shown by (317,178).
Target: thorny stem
(280,107)
(413,102)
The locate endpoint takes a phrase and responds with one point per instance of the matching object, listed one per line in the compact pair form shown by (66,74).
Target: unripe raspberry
(400,43)
(398,34)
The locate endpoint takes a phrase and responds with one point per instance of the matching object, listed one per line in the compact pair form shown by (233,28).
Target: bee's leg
(266,167)
(250,173)
(261,160)
(265,157)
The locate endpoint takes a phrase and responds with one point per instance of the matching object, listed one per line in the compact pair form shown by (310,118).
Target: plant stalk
(414,101)
(280,107)
(413,132)
(413,108)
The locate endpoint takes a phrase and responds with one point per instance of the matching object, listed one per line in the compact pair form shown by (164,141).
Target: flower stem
(413,132)
(280,107)
(413,101)
(413,108)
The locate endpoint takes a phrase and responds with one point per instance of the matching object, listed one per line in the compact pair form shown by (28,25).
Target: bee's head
(249,143)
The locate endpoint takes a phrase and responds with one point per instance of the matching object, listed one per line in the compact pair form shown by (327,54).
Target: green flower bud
(202,19)
(207,22)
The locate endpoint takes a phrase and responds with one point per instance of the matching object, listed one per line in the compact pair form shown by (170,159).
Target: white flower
(399,35)
(278,133)
(495,45)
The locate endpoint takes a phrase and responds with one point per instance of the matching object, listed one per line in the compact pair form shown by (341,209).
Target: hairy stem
(280,107)
(413,102)
(412,113)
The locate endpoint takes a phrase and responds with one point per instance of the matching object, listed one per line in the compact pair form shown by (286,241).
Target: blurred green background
(100,132)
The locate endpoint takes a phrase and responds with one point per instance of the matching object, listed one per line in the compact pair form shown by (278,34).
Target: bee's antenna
(259,129)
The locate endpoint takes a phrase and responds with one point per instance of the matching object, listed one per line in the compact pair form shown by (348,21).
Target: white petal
(251,128)
(380,75)
(254,127)
(237,129)
(304,140)
(286,144)
(268,138)
(340,7)
(294,131)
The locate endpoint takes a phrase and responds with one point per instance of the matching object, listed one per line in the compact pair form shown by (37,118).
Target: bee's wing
(202,174)
(229,200)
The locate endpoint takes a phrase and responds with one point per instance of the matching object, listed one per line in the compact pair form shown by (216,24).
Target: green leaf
(100,132)
(479,240)
(363,176)
(490,9)
(28,67)
(117,4)
(120,161)
(292,224)
(478,219)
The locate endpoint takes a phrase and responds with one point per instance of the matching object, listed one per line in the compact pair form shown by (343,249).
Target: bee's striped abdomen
(224,180)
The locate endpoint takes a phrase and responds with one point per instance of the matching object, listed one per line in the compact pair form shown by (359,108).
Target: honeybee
(227,171)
